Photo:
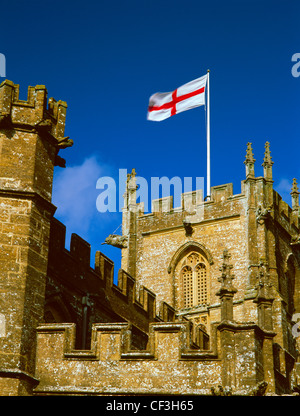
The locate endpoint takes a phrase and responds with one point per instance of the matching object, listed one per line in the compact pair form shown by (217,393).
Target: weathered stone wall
(30,135)
(157,241)
(217,224)
(168,366)
(70,280)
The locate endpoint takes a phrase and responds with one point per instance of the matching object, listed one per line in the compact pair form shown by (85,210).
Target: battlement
(222,199)
(170,350)
(194,210)
(133,303)
(122,348)
(110,366)
(285,215)
(33,112)
(191,201)
(140,296)
(31,136)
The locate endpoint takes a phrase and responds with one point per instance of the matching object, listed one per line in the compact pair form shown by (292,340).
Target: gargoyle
(64,142)
(115,240)
(262,214)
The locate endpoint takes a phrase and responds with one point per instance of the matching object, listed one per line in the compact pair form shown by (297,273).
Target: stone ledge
(19,374)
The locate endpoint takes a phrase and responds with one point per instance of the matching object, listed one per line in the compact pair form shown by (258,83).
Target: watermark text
(2,66)
(296,66)
(138,190)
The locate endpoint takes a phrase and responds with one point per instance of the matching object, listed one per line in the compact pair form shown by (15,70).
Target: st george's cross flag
(166,104)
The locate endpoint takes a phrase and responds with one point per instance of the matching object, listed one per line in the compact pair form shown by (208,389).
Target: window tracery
(194,280)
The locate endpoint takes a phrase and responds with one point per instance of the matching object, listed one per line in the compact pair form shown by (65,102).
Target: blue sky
(105,58)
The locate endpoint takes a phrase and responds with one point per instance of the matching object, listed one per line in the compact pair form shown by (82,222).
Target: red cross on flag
(166,104)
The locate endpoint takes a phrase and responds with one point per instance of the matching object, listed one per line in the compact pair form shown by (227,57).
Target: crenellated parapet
(193,210)
(171,364)
(111,366)
(123,342)
(31,136)
(126,299)
(35,113)
(191,202)
(286,216)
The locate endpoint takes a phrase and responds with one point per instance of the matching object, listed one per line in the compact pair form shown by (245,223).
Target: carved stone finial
(295,189)
(267,158)
(131,180)
(130,176)
(249,162)
(295,194)
(130,191)
(267,163)
(249,154)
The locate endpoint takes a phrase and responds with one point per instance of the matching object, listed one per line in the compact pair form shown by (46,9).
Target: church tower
(178,255)
(31,135)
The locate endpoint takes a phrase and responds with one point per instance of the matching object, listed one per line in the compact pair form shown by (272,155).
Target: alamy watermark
(2,66)
(296,66)
(111,197)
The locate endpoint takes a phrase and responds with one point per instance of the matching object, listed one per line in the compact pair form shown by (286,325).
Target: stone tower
(31,135)
(177,253)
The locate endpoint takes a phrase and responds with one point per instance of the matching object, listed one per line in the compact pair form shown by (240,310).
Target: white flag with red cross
(166,104)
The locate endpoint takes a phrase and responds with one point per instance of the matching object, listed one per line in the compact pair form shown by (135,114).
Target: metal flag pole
(208,139)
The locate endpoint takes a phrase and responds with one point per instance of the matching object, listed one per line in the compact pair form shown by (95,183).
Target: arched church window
(194,280)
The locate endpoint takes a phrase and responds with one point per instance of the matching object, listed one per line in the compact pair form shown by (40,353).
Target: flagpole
(208,139)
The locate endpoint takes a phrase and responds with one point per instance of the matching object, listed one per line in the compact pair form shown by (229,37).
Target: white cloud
(284,188)
(74,194)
